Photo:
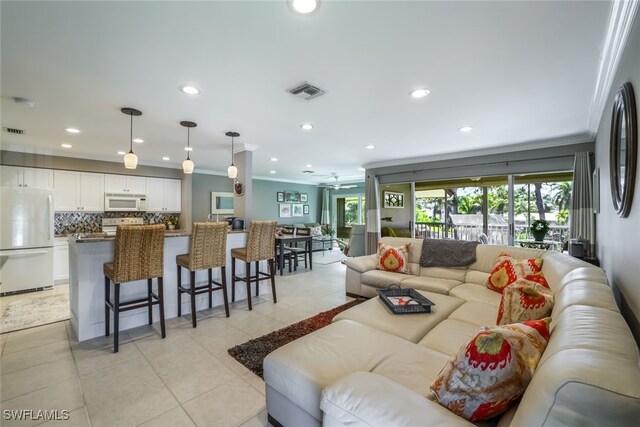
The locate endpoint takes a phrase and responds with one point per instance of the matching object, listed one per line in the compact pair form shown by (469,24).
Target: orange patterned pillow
(508,269)
(393,259)
(493,371)
(524,300)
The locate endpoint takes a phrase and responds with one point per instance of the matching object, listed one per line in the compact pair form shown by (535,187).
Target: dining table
(288,239)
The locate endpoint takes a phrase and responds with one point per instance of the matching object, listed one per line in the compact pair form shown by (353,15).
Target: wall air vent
(307,91)
(14,131)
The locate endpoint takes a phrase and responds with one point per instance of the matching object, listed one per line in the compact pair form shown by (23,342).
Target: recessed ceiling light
(188,148)
(465,129)
(274,159)
(122,153)
(190,90)
(272,171)
(419,93)
(165,158)
(138,140)
(361,169)
(308,165)
(370,147)
(66,145)
(304,6)
(306,126)
(72,130)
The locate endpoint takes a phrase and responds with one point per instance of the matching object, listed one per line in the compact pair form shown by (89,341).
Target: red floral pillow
(524,300)
(508,269)
(492,371)
(393,259)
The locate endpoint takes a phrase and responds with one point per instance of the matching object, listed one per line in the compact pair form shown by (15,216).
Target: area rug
(252,353)
(27,313)
(329,257)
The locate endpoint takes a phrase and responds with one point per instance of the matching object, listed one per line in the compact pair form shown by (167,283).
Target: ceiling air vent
(308,171)
(307,91)
(14,131)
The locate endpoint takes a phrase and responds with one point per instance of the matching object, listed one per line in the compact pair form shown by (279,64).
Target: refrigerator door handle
(49,215)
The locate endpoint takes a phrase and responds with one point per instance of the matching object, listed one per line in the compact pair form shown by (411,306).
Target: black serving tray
(387,296)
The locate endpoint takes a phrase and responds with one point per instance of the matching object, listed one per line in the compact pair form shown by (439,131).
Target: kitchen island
(87,256)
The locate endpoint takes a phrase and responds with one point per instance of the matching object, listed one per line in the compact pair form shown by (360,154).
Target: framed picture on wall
(393,199)
(303,197)
(280,196)
(306,209)
(285,210)
(291,197)
(297,209)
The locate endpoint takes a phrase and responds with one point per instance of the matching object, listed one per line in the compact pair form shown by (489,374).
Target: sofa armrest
(368,399)
(362,264)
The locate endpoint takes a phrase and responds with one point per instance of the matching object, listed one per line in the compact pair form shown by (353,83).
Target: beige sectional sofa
(373,368)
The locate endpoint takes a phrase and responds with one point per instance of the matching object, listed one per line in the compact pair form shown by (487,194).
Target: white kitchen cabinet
(163,195)
(60,260)
(78,191)
(18,176)
(125,184)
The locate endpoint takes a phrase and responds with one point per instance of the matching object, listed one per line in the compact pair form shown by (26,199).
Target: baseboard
(273,421)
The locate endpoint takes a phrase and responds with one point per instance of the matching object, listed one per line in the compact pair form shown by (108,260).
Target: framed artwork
(306,209)
(285,210)
(393,199)
(303,197)
(291,197)
(297,209)
(280,196)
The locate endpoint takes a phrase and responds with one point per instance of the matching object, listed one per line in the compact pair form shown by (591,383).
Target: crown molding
(623,14)
(241,146)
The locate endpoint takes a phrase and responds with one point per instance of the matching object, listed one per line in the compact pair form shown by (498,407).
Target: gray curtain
(371,194)
(325,217)
(581,218)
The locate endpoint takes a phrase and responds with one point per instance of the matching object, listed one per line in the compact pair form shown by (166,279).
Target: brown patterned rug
(252,353)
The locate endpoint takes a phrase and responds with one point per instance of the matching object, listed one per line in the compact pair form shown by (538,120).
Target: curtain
(325,217)
(581,221)
(372,192)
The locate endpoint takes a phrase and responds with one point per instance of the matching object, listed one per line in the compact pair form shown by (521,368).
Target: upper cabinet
(78,191)
(163,195)
(125,184)
(17,176)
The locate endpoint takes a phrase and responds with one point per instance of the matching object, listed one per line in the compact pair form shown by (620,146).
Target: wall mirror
(623,149)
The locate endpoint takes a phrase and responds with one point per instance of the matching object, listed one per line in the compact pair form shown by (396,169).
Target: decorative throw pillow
(524,300)
(316,231)
(493,371)
(393,259)
(508,269)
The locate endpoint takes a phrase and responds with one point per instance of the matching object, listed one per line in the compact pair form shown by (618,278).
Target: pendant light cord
(188,143)
(232,151)
(131,134)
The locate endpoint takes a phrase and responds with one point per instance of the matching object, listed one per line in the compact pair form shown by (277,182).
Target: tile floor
(186,379)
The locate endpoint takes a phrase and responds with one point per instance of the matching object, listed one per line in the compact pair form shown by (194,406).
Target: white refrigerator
(26,238)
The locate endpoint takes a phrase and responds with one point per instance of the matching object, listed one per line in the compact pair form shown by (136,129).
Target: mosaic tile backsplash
(81,222)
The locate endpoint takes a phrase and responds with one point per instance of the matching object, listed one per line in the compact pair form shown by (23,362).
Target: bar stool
(138,255)
(208,251)
(260,246)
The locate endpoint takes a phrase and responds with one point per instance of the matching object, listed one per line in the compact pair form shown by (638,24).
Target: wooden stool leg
(107,293)
(179,291)
(233,280)
(149,300)
(272,270)
(163,331)
(193,298)
(116,316)
(248,275)
(210,289)
(223,271)
(257,277)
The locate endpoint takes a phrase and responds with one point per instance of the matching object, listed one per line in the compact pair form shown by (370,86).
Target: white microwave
(125,202)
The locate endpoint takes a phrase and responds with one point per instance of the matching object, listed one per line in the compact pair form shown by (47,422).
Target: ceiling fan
(337,185)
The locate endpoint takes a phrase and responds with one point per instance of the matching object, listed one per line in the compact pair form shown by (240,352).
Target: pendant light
(232,171)
(187,165)
(130,159)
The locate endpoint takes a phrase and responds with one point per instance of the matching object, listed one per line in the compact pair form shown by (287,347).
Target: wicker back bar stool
(260,246)
(138,255)
(208,251)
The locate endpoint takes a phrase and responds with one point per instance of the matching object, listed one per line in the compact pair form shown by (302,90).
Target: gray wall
(618,239)
(201,187)
(265,204)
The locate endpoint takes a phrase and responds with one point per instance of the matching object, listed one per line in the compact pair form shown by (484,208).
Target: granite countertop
(102,237)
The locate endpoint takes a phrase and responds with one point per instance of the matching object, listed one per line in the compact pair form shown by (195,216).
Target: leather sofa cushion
(478,277)
(431,284)
(473,292)
(453,273)
(363,263)
(487,255)
(382,279)
(557,265)
(411,327)
(588,272)
(476,313)
(584,292)
(449,336)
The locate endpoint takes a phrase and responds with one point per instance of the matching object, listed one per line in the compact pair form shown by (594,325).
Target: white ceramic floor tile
(24,359)
(175,417)
(191,379)
(32,379)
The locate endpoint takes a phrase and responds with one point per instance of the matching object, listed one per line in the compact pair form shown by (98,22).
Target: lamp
(232,171)
(187,165)
(130,159)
